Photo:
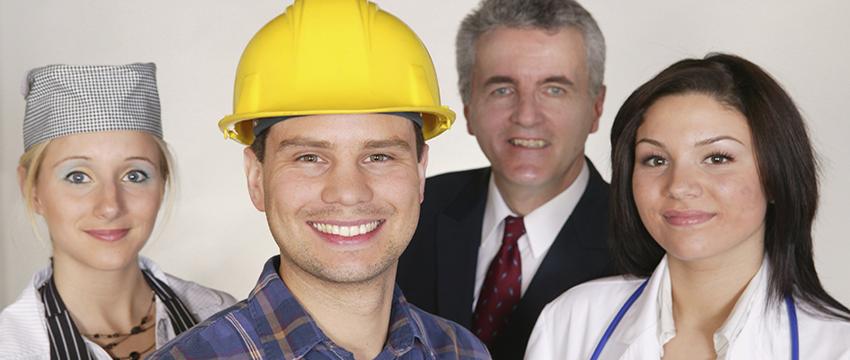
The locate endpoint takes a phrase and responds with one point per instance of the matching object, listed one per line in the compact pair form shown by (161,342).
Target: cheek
(145,203)
(643,188)
(58,206)
(286,193)
(744,197)
(401,190)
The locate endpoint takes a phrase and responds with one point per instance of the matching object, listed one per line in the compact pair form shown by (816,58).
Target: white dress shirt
(571,326)
(542,226)
(23,326)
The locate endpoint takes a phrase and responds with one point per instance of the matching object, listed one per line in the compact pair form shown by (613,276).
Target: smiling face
(99,194)
(530,108)
(695,180)
(341,193)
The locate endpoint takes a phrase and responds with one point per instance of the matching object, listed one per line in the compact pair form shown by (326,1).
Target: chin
(109,261)
(527,175)
(690,250)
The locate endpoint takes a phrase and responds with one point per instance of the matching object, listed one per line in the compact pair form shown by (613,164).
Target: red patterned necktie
(501,290)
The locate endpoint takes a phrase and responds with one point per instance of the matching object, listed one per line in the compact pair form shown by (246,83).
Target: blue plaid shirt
(271,324)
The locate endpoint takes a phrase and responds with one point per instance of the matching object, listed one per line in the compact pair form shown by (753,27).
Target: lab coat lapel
(636,337)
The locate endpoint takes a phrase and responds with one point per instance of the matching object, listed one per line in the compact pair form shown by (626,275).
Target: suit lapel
(458,238)
(581,244)
(578,254)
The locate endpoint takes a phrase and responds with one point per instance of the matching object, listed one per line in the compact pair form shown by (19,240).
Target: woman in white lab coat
(714,192)
(95,168)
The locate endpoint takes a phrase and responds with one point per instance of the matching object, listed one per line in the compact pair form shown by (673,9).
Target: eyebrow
(708,141)
(300,141)
(560,79)
(86,158)
(394,142)
(716,139)
(501,79)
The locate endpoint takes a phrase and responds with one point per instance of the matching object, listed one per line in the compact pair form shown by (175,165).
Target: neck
(101,301)
(355,316)
(522,199)
(704,293)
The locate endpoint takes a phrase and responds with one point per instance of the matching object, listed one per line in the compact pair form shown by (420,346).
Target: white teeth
(347,231)
(528,143)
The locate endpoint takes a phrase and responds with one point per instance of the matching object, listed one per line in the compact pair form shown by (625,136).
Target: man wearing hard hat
(335,99)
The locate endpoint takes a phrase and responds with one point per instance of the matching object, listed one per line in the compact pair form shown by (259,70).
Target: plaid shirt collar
(280,319)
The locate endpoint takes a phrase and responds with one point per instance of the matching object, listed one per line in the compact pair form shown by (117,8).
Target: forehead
(692,117)
(344,128)
(104,146)
(530,52)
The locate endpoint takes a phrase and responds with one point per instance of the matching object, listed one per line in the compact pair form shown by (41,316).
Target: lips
(346,232)
(528,143)
(687,217)
(108,234)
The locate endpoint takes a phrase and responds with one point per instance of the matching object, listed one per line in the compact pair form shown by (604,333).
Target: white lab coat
(23,327)
(572,325)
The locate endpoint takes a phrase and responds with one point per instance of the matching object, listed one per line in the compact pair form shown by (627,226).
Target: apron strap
(66,342)
(181,317)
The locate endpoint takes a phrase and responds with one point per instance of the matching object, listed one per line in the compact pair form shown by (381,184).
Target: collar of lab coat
(644,317)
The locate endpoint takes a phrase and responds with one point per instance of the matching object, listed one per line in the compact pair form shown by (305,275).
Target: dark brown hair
(786,165)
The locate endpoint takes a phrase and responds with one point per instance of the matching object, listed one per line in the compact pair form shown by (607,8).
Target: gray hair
(550,15)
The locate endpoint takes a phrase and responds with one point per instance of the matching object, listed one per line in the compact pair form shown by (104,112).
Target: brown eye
(655,161)
(716,159)
(379,158)
(308,158)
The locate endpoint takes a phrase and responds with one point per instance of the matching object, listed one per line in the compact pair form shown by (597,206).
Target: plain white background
(215,236)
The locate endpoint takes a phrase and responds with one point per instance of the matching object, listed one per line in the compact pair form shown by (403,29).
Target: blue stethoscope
(789,305)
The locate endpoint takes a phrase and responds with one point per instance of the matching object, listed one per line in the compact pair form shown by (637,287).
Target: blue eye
(136,176)
(502,91)
(554,90)
(77,177)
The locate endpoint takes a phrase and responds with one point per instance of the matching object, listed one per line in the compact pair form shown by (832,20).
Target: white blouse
(571,326)
(23,326)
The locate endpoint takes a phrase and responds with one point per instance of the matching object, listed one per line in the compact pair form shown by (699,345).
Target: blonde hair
(31,161)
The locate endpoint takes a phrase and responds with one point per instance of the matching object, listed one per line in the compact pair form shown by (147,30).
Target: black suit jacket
(437,271)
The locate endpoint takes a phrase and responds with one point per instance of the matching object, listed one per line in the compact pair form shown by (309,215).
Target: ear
(598,104)
(468,122)
(22,179)
(422,166)
(254,175)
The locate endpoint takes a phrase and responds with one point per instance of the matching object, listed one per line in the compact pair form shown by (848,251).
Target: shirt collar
(754,293)
(543,224)
(279,317)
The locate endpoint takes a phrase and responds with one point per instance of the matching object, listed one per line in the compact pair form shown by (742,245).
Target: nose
(347,185)
(110,204)
(526,112)
(683,182)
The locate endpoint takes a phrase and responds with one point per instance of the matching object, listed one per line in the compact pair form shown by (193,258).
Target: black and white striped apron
(66,342)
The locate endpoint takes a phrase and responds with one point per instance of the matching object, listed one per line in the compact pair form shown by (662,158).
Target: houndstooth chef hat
(65,99)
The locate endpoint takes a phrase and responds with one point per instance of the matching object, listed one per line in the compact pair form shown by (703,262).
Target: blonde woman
(95,168)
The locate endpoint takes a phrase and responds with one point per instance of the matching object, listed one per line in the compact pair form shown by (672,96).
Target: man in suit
(495,245)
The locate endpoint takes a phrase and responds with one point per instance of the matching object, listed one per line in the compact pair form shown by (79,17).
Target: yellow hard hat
(334,57)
